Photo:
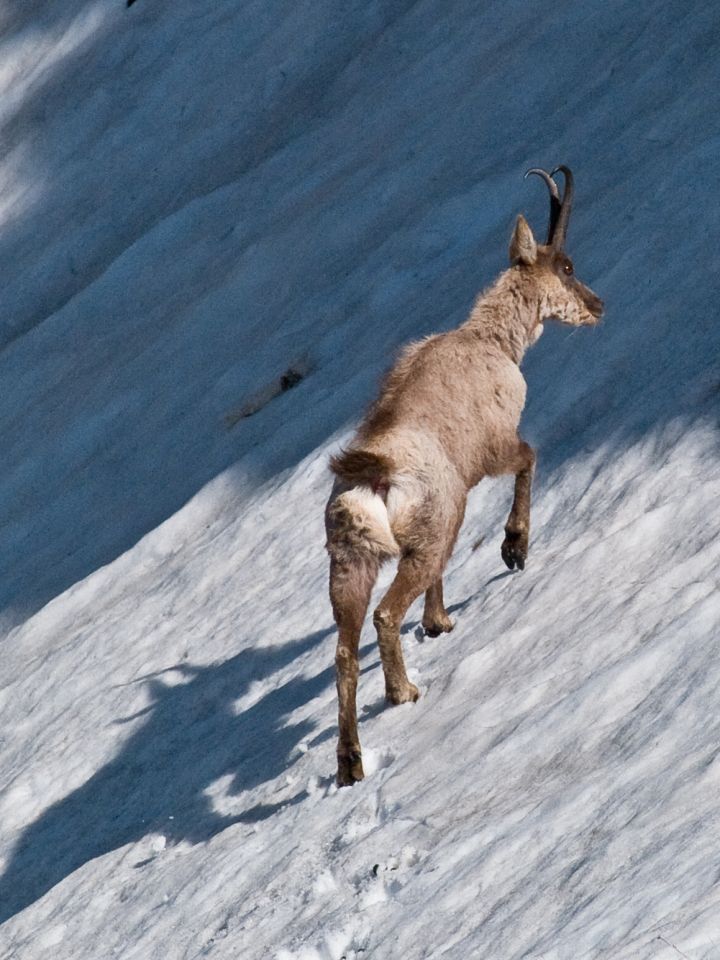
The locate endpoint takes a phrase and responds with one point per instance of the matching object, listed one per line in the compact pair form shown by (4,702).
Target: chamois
(447,416)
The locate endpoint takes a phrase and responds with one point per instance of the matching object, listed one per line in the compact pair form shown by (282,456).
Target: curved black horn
(555,204)
(558,240)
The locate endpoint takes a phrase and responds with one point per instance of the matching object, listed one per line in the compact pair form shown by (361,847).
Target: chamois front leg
(517,529)
(436,619)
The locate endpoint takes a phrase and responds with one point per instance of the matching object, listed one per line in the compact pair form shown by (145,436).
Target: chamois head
(562,296)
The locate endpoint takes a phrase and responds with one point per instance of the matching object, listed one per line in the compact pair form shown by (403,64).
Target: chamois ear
(523,248)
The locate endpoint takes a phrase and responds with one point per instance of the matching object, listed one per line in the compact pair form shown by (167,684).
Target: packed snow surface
(218,223)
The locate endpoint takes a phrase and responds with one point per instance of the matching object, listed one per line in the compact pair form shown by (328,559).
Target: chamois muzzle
(594,304)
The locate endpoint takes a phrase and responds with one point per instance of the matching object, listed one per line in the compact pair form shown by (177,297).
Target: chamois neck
(507,314)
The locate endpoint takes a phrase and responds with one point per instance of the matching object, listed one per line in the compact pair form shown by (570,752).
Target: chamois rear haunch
(402,484)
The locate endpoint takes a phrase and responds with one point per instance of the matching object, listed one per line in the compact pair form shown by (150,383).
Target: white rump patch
(370,510)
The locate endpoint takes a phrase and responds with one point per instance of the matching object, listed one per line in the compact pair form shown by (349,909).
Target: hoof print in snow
(387,878)
(294,375)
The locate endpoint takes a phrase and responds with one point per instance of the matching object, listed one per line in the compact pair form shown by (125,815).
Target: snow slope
(196,199)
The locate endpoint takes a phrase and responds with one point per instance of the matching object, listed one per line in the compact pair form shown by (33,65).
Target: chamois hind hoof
(407,694)
(433,628)
(350,770)
(514,550)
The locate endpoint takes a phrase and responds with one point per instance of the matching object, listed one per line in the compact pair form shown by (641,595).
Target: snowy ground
(195,199)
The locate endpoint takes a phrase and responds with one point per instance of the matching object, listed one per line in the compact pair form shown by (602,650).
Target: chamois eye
(568,268)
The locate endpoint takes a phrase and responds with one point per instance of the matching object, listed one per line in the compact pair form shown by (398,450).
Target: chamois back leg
(514,548)
(411,579)
(436,619)
(351,583)
(419,570)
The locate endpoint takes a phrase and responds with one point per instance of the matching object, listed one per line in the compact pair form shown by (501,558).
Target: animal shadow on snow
(158,782)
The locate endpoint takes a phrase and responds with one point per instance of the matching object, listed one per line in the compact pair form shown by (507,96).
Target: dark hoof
(406,694)
(433,628)
(350,769)
(514,550)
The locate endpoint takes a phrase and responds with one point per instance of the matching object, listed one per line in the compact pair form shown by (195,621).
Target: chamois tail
(362,466)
